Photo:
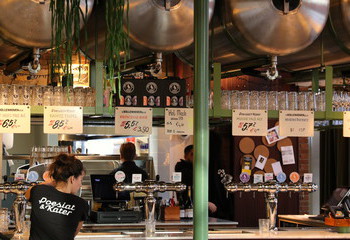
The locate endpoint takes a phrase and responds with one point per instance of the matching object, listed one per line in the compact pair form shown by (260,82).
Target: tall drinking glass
(272,100)
(263,100)
(235,99)
(282,100)
(254,100)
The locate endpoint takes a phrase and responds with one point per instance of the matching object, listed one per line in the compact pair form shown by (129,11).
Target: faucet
(20,203)
(272,188)
(150,187)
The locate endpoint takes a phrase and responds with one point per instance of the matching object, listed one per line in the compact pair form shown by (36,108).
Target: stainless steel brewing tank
(163,25)
(245,30)
(26,24)
(332,47)
(154,26)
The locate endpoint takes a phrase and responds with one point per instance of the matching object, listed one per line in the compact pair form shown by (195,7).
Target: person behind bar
(128,167)
(185,166)
(57,213)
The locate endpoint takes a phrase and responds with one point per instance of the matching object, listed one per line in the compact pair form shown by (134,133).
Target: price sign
(249,122)
(63,119)
(133,121)
(346,124)
(296,123)
(14,119)
(179,121)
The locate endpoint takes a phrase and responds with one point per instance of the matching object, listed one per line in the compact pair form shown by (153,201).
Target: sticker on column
(119,176)
(307,177)
(268,177)
(176,177)
(136,178)
(258,178)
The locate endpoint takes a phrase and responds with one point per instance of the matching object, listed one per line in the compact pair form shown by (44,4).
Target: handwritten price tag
(179,121)
(14,119)
(59,119)
(296,123)
(249,122)
(133,121)
(346,124)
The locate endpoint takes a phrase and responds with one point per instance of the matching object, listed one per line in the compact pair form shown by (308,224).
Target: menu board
(296,123)
(63,119)
(14,119)
(133,121)
(249,122)
(179,121)
(346,124)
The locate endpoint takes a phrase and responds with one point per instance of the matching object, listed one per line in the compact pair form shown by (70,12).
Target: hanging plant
(66,16)
(117,42)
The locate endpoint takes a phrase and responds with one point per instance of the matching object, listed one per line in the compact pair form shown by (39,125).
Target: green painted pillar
(201,118)
(96,77)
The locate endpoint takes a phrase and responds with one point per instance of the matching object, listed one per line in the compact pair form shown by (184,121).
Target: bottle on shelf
(182,206)
(189,205)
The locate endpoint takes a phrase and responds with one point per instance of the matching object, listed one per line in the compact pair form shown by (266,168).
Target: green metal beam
(96,77)
(201,119)
(217,89)
(329,90)
(315,80)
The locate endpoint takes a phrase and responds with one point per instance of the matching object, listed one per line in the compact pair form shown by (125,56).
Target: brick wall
(304,158)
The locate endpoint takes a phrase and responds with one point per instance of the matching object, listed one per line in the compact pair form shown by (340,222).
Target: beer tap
(150,187)
(20,203)
(271,188)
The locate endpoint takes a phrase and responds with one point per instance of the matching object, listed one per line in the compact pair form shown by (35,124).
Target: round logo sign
(174,88)
(151,87)
(128,87)
(33,176)
(119,176)
(281,177)
(244,177)
(294,177)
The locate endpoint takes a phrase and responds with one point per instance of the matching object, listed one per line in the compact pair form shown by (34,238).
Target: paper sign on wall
(346,124)
(287,155)
(296,123)
(14,119)
(179,121)
(249,122)
(63,119)
(176,177)
(133,121)
(277,168)
(260,162)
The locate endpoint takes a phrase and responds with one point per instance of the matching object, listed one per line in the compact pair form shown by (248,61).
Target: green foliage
(66,16)
(117,40)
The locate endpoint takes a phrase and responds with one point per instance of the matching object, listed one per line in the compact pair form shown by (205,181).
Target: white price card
(63,119)
(136,178)
(249,122)
(296,123)
(346,124)
(133,121)
(260,162)
(179,121)
(176,177)
(14,119)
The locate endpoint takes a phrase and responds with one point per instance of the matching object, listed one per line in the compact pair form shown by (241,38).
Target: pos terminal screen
(102,188)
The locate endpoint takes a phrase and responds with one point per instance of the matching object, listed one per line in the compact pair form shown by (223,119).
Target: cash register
(114,205)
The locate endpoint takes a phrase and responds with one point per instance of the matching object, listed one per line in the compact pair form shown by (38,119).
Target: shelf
(39,110)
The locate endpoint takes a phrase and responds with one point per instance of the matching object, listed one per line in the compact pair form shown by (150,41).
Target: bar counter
(239,233)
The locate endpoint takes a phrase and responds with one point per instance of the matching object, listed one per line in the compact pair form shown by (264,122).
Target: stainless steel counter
(293,233)
(214,223)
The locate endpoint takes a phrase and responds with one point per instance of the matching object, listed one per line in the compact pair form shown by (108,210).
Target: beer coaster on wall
(264,141)
(283,143)
(268,166)
(261,150)
(246,145)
